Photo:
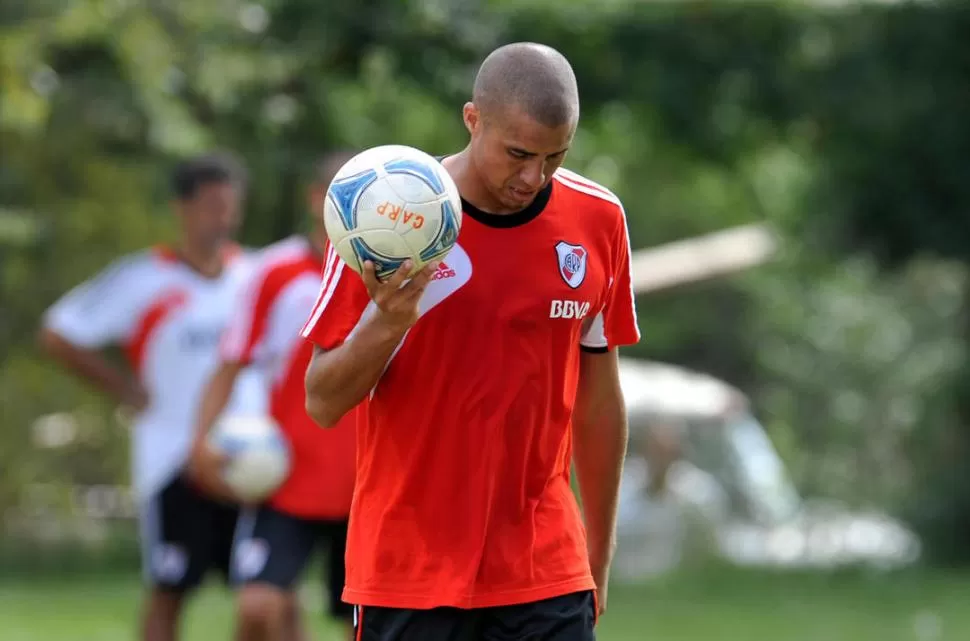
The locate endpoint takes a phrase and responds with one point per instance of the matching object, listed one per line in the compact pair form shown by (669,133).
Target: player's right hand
(205,471)
(397,300)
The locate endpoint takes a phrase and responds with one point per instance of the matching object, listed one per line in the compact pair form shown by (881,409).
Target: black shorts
(274,547)
(184,534)
(571,617)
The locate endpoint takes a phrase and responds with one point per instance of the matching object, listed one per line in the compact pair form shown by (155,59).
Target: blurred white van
(702,477)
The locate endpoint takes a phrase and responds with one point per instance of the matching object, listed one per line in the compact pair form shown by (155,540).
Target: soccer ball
(259,458)
(389,204)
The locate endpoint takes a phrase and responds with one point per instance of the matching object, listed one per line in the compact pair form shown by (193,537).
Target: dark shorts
(274,547)
(184,535)
(571,617)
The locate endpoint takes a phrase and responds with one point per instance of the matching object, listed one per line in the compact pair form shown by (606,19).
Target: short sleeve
(616,323)
(340,307)
(101,311)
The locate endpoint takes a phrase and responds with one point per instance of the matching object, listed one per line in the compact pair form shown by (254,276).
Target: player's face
(515,156)
(212,216)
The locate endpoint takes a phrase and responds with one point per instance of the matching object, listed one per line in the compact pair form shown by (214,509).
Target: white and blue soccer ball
(389,204)
(258,454)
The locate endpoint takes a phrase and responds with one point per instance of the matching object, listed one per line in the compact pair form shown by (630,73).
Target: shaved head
(532,77)
(521,121)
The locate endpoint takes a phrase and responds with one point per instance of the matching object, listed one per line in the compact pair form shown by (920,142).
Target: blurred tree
(699,115)
(887,105)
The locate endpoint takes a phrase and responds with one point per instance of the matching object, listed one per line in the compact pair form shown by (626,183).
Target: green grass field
(724,606)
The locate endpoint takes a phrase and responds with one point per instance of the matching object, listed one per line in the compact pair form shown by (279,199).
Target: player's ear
(471,117)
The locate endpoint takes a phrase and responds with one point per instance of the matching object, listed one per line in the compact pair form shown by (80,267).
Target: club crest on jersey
(572,263)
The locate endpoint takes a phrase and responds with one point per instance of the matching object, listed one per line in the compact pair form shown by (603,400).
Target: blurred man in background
(167,308)
(275,541)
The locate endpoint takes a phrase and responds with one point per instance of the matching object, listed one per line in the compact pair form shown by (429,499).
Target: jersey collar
(505,221)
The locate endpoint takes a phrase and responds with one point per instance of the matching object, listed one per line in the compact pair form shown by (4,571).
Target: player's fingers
(209,463)
(421,279)
(399,276)
(220,459)
(369,274)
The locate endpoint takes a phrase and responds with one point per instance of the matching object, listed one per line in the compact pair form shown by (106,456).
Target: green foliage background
(844,128)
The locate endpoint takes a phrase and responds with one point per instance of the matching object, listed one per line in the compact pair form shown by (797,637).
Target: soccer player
(485,379)
(276,540)
(167,308)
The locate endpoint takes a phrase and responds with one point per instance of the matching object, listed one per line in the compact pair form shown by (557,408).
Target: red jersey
(463,496)
(266,330)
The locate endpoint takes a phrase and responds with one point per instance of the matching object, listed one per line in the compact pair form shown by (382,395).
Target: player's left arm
(205,462)
(599,417)
(599,446)
(243,337)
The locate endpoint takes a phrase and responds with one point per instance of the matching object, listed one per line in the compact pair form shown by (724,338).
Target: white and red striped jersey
(169,319)
(265,332)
